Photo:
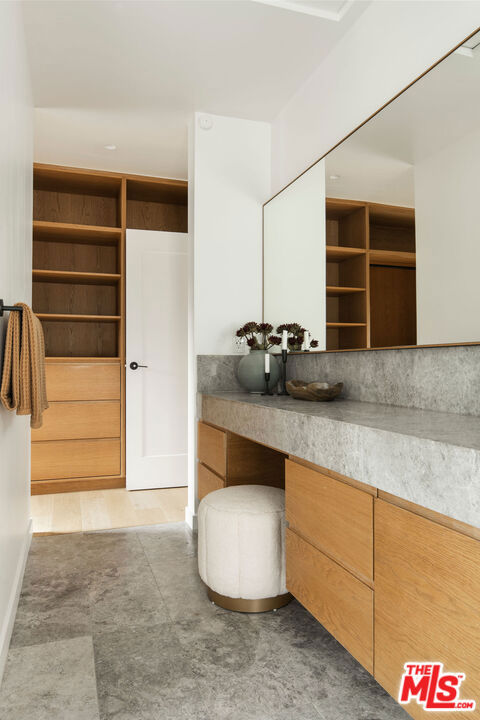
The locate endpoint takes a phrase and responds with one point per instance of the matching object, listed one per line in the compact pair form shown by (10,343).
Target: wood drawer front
(212,448)
(333,516)
(75,420)
(83,381)
(75,458)
(207,481)
(427,607)
(343,604)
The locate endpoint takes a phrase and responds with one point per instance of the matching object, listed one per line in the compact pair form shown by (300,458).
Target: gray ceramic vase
(251,371)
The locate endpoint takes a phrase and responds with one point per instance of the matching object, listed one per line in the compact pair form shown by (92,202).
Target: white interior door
(157,337)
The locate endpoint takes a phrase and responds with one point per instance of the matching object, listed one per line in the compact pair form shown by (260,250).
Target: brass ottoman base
(248,606)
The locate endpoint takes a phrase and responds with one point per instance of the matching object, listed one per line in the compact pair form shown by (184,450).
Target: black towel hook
(9,308)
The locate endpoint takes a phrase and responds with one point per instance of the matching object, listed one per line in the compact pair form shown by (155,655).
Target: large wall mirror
(378,244)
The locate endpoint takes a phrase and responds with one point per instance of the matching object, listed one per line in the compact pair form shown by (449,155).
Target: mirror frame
(370,117)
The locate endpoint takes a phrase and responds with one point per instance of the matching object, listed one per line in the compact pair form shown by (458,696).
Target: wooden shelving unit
(338,254)
(333,291)
(347,276)
(69,317)
(370,271)
(80,218)
(70,232)
(83,278)
(394,258)
(345,325)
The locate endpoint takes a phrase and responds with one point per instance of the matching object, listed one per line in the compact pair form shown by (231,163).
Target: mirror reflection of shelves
(392,267)
(346,274)
(370,271)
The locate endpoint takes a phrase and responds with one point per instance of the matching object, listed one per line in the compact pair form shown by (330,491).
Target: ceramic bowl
(315,391)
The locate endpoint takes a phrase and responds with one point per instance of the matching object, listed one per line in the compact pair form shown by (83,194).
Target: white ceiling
(377,163)
(132,73)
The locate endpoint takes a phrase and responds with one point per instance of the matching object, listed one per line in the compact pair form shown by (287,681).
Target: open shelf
(157,204)
(392,257)
(71,232)
(392,228)
(73,196)
(68,276)
(68,336)
(346,223)
(339,254)
(66,317)
(395,215)
(346,273)
(338,291)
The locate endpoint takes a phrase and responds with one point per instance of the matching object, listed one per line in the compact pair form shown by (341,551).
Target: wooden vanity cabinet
(330,555)
(427,601)
(333,516)
(225,459)
(335,597)
(393,582)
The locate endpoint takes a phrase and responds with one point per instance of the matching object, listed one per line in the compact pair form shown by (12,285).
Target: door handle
(134,366)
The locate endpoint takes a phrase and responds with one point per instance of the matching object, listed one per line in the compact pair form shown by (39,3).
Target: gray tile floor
(117,626)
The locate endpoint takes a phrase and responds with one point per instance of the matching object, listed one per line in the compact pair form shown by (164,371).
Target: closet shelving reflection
(370,300)
(80,218)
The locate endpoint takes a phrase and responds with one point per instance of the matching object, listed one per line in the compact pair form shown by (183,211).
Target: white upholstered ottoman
(241,547)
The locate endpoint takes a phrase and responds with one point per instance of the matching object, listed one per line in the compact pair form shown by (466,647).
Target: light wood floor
(106,509)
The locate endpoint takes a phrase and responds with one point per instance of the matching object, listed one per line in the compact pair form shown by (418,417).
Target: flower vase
(251,371)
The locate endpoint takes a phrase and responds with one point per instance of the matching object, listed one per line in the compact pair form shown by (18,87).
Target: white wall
(447,218)
(294,255)
(230,174)
(15,285)
(390,45)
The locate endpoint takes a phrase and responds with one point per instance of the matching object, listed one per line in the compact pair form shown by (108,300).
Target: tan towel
(23,378)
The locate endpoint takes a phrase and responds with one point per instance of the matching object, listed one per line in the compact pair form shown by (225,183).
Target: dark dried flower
(275,340)
(314,343)
(250,327)
(240,333)
(251,342)
(265,328)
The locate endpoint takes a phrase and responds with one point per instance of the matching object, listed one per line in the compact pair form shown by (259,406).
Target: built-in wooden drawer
(333,516)
(75,458)
(427,607)
(82,381)
(212,448)
(337,599)
(208,481)
(76,420)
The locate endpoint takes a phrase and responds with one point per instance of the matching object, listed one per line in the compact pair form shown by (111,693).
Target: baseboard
(190,518)
(103,482)
(7,625)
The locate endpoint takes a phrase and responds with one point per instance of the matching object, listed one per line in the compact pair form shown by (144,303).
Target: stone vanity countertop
(429,458)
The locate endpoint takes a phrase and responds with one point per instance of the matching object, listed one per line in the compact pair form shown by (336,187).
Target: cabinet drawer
(83,381)
(75,420)
(427,590)
(54,459)
(207,481)
(343,604)
(332,516)
(212,448)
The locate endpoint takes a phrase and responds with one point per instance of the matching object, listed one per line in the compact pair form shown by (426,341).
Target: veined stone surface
(429,458)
